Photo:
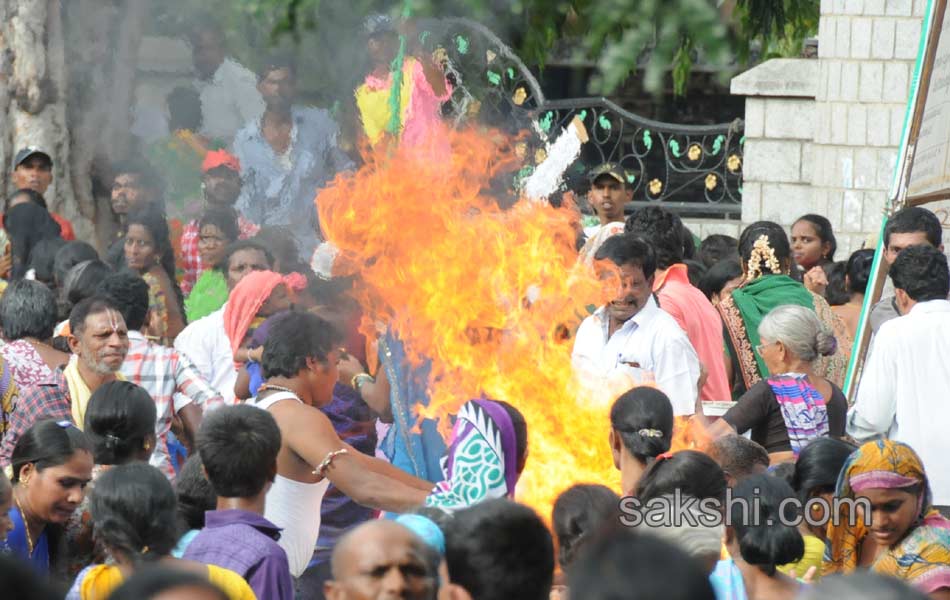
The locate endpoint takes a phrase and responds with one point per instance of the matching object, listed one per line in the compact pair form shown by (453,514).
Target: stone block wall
(822,135)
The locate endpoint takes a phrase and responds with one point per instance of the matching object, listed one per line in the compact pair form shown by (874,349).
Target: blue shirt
(16,544)
(280,190)
(245,543)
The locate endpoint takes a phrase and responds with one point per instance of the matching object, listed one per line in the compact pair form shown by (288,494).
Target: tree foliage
(620,36)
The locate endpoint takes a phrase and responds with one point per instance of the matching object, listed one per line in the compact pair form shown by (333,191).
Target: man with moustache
(135,185)
(631,333)
(99,341)
(608,195)
(33,170)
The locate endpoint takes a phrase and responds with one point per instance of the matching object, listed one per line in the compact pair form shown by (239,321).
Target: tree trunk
(78,109)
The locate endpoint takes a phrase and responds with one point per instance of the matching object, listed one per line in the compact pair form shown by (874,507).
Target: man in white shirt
(229,95)
(631,332)
(903,391)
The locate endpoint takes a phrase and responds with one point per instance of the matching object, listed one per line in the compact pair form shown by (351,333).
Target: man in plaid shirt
(170,378)
(99,341)
(221,183)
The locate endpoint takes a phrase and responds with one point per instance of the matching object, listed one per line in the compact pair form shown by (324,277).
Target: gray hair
(799,329)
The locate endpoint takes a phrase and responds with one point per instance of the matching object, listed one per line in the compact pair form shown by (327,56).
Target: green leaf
(546,121)
(582,115)
(604,123)
(647,139)
(462,44)
(494,77)
(511,73)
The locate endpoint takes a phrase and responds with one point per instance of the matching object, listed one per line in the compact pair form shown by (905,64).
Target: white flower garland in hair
(762,251)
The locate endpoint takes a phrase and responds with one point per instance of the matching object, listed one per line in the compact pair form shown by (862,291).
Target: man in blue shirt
(287,156)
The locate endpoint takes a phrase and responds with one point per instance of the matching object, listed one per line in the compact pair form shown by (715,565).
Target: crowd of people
(195,413)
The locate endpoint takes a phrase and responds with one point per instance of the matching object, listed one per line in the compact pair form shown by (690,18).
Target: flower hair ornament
(650,433)
(762,252)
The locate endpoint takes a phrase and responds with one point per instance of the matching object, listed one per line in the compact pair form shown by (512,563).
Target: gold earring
(147,446)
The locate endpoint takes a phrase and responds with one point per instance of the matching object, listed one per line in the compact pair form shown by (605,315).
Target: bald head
(382,559)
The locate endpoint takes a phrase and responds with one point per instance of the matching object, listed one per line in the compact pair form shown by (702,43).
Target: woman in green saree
(766,263)
(217,228)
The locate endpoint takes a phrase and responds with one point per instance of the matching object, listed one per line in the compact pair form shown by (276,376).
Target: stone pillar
(822,135)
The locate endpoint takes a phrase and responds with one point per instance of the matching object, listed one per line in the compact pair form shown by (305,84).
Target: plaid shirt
(191,260)
(46,400)
(172,381)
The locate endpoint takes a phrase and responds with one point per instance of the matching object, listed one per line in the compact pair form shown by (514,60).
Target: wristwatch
(359,379)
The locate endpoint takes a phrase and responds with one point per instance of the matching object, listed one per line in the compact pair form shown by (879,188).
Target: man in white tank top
(300,367)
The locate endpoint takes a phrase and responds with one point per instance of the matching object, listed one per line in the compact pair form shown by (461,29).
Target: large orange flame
(484,292)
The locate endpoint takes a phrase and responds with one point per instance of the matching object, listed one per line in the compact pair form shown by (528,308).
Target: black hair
(579,512)
(43,259)
(628,249)
(295,338)
(818,466)
(914,219)
(694,271)
(27,226)
(31,194)
(784,471)
(153,581)
(90,306)
(120,417)
(280,243)
(276,62)
(689,242)
(765,539)
(718,275)
(836,292)
(20,580)
(619,564)
(498,550)
(147,176)
(48,443)
(224,218)
(70,255)
(27,309)
(131,510)
(738,455)
(81,282)
(663,230)
(184,109)
(240,246)
(921,271)
(689,471)
(858,270)
(640,409)
(129,294)
(238,447)
(195,495)
(824,230)
(777,239)
(718,247)
(520,426)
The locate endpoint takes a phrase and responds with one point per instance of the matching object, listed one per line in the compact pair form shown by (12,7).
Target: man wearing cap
(33,170)
(609,193)
(221,185)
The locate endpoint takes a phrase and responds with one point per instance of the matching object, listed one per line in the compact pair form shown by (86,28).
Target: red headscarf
(247,298)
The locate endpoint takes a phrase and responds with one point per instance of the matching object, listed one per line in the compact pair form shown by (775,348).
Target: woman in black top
(794,405)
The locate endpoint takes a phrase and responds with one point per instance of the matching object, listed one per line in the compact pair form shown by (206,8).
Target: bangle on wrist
(359,379)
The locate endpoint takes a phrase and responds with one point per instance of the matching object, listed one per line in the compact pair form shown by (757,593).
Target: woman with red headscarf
(258,295)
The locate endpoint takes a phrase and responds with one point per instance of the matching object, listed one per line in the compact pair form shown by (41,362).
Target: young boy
(238,446)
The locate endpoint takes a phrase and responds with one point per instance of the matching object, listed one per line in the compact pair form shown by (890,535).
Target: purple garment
(505,427)
(245,543)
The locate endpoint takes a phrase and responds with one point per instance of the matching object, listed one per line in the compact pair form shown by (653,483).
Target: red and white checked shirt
(172,381)
(191,260)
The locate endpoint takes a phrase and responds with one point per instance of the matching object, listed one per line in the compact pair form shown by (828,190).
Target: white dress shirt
(905,389)
(652,340)
(229,101)
(206,343)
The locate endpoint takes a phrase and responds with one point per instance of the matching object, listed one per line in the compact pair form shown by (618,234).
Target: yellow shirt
(101,580)
(814,553)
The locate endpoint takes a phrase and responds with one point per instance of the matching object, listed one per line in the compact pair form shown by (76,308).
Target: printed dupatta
(803,408)
(481,463)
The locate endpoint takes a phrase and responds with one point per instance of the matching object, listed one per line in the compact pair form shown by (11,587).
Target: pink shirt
(702,324)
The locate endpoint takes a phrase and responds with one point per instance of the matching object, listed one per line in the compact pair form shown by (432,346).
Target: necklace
(26,525)
(277,388)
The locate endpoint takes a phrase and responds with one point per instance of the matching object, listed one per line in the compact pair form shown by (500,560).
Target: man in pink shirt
(685,303)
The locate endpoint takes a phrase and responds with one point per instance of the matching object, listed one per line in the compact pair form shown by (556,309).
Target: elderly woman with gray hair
(793,405)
